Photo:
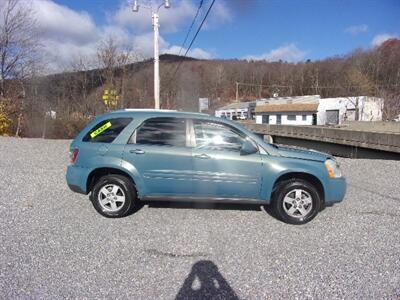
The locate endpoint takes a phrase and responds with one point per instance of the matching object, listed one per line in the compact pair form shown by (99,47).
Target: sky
(291,30)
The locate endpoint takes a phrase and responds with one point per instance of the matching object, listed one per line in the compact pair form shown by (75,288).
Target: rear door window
(163,132)
(106,131)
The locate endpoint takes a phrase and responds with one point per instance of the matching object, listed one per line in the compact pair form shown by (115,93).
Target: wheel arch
(310,178)
(97,173)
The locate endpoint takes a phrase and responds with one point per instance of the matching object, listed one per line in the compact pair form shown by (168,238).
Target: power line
(194,38)
(198,30)
(191,26)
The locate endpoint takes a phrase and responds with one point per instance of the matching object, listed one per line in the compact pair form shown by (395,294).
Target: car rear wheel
(114,196)
(296,201)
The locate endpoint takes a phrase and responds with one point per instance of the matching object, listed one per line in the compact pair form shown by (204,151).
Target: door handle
(202,156)
(137,151)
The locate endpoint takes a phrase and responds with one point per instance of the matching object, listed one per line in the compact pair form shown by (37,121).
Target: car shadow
(199,205)
(205,282)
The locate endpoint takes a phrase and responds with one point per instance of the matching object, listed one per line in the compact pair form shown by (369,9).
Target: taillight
(74,155)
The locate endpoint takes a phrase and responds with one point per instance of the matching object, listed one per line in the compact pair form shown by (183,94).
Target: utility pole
(237,91)
(156,26)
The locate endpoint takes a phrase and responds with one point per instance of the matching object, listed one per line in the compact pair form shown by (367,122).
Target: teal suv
(128,156)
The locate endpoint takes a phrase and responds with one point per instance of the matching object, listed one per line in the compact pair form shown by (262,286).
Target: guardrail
(365,139)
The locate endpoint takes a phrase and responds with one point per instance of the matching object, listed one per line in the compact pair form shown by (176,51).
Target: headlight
(333,168)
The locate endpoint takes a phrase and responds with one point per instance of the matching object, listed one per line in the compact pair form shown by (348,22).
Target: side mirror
(248,148)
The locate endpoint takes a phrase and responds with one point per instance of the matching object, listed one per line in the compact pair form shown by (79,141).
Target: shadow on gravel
(205,282)
(197,205)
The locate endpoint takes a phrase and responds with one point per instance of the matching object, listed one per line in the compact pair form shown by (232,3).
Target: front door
(279,119)
(219,170)
(158,151)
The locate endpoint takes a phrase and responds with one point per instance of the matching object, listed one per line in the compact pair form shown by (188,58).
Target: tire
(114,196)
(296,201)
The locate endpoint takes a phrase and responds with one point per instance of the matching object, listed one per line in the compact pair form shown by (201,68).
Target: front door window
(214,136)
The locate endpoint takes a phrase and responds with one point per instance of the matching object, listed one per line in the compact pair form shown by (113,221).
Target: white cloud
(64,34)
(289,53)
(196,52)
(221,13)
(173,19)
(58,22)
(67,34)
(144,44)
(381,38)
(356,29)
(170,19)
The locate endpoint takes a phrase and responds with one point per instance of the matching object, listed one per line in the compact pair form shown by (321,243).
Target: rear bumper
(77,179)
(335,190)
(76,189)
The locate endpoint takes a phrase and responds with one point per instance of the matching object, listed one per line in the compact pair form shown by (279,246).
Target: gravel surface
(53,244)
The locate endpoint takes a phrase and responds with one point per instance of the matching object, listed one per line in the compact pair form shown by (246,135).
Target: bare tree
(358,85)
(18,41)
(18,52)
(114,60)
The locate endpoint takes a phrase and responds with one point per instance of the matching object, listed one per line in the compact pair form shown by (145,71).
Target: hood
(301,153)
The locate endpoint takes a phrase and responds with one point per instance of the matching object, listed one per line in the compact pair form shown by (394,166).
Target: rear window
(106,131)
(162,131)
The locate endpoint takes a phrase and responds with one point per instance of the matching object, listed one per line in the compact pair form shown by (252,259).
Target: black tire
(287,188)
(127,189)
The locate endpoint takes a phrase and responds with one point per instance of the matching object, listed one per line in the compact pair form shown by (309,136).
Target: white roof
(290,100)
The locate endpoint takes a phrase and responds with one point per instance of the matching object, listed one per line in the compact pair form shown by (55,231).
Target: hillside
(77,96)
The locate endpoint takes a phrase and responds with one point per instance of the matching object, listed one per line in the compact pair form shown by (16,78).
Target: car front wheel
(296,201)
(114,196)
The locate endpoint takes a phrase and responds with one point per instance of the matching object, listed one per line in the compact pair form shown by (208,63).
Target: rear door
(158,150)
(219,170)
(98,145)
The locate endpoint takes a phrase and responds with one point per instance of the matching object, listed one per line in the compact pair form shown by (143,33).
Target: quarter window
(106,131)
(162,131)
(215,136)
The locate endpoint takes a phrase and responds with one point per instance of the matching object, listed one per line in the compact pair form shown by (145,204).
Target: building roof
(296,107)
(290,100)
(276,100)
(237,105)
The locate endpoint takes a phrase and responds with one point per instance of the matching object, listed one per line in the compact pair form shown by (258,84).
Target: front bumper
(335,190)
(77,179)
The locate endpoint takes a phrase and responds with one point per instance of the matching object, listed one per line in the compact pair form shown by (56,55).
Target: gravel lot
(53,243)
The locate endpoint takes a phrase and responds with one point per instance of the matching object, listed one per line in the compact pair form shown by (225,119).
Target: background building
(337,110)
(312,110)
(287,114)
(238,110)
(300,110)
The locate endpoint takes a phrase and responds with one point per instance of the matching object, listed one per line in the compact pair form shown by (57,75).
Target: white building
(237,110)
(312,110)
(287,114)
(300,110)
(338,110)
